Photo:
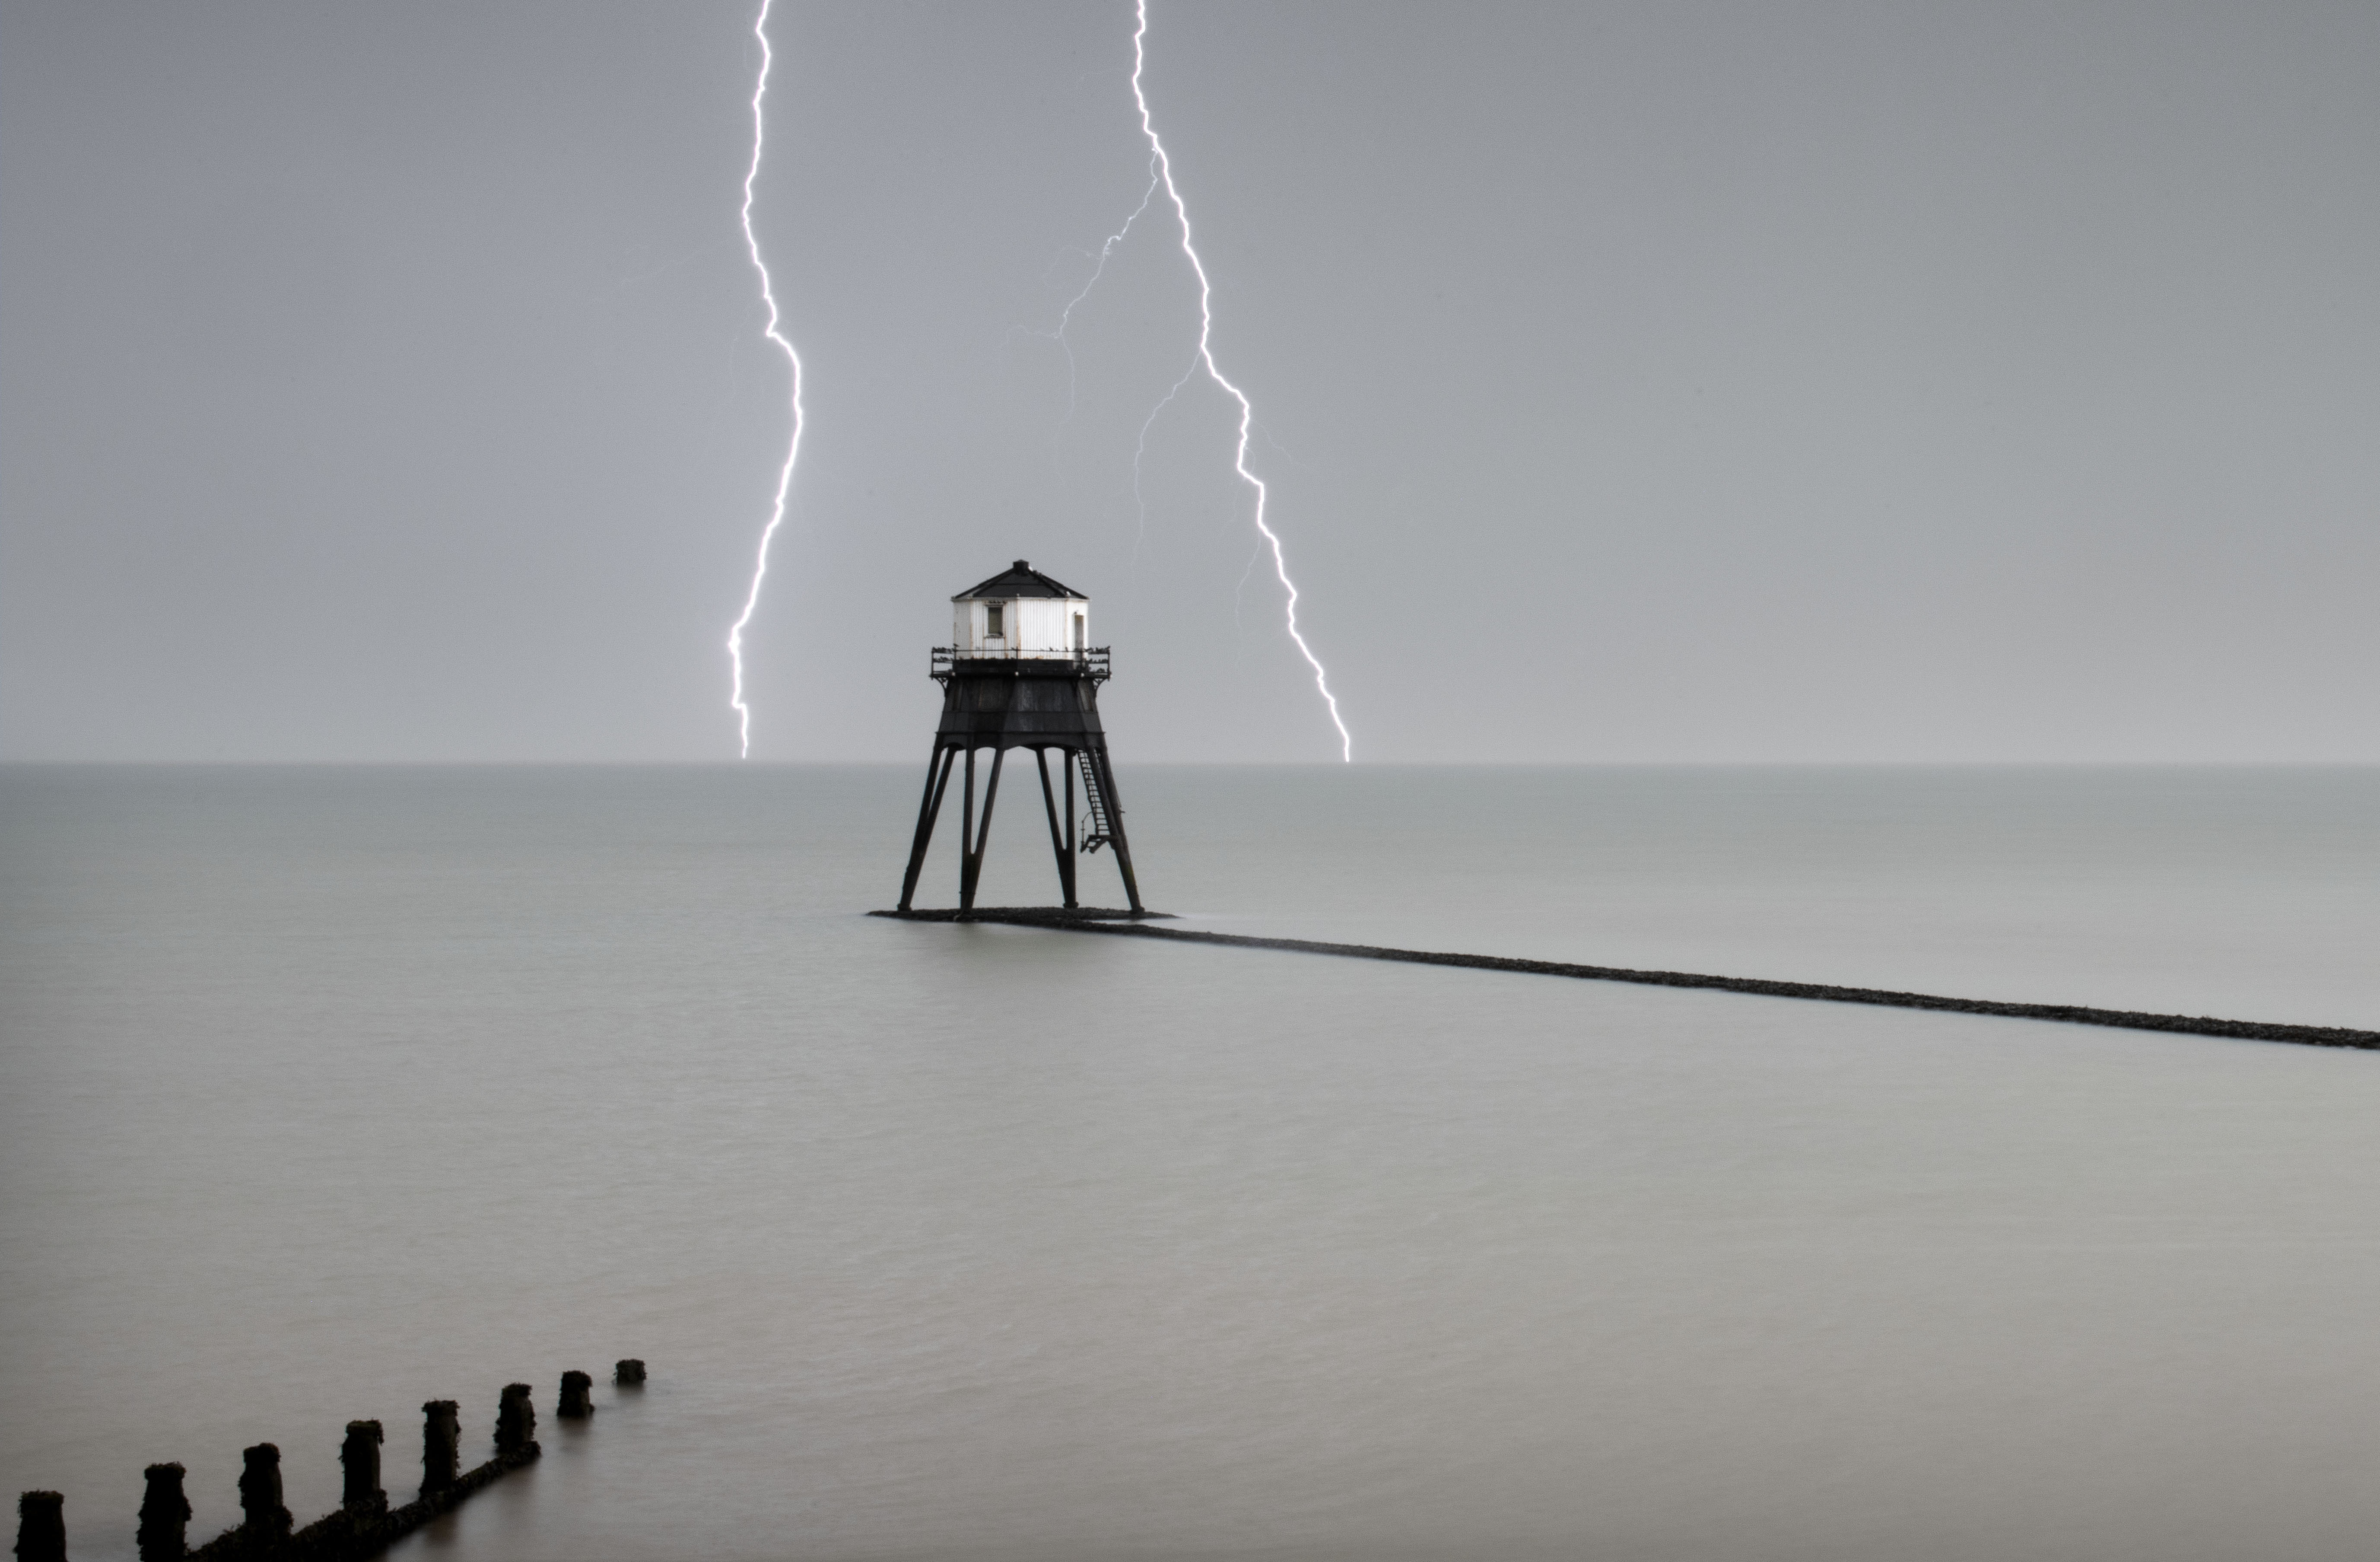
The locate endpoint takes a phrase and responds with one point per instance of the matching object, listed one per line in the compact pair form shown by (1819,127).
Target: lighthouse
(1021,673)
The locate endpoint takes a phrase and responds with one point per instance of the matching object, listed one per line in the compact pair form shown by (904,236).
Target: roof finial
(1022,565)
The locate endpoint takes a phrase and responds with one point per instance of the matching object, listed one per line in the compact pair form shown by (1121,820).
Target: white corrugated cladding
(1029,625)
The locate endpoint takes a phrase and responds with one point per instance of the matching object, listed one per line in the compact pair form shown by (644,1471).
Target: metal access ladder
(1101,833)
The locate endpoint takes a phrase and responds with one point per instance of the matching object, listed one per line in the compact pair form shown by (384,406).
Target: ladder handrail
(1099,833)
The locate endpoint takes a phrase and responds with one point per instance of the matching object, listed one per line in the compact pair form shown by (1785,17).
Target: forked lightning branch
(1202,361)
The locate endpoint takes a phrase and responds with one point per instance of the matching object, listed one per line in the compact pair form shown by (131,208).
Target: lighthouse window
(991,621)
(1078,632)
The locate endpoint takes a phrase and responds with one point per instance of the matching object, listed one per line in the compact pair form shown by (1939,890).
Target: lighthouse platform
(1028,915)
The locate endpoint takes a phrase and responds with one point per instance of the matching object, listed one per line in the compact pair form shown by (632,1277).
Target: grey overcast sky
(1640,381)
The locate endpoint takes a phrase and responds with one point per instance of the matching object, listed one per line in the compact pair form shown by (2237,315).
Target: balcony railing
(1091,663)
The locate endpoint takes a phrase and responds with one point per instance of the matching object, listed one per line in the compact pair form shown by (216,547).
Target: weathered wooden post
(359,1459)
(164,1535)
(441,1436)
(575,1405)
(260,1493)
(516,1420)
(630,1372)
(41,1527)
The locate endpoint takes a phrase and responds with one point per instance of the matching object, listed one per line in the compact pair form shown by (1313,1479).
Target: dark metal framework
(1030,702)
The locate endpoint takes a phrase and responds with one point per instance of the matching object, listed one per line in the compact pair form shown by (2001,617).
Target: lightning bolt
(793,360)
(1099,269)
(1205,359)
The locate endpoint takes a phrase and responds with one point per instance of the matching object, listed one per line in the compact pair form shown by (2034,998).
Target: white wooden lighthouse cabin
(1020,611)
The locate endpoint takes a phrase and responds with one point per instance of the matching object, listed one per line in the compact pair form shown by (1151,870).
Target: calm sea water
(326,1091)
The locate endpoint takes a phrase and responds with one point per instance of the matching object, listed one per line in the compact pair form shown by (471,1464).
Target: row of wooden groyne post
(363,1524)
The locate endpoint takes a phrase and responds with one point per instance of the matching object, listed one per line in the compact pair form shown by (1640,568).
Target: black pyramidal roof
(1020,579)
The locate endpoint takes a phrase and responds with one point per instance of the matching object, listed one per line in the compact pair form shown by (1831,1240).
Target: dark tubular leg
(941,790)
(1115,827)
(966,836)
(1057,843)
(1069,768)
(938,775)
(983,832)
